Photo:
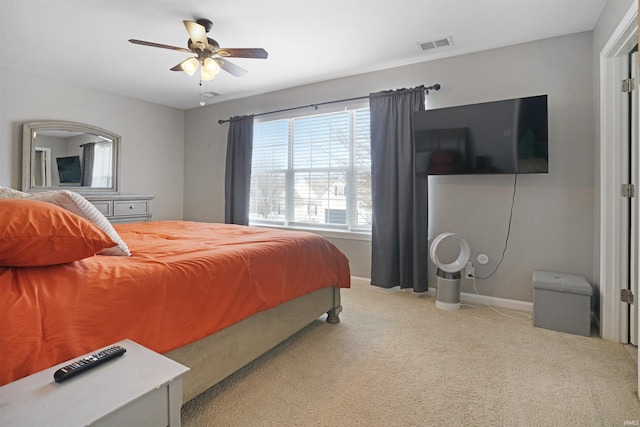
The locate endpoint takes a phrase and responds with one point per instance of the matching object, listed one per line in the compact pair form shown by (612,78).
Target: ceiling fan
(209,55)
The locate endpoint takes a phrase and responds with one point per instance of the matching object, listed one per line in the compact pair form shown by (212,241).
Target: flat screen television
(69,170)
(500,137)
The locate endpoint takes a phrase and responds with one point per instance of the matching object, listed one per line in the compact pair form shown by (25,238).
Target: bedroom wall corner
(205,159)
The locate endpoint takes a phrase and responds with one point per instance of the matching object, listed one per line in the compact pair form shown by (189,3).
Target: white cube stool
(562,302)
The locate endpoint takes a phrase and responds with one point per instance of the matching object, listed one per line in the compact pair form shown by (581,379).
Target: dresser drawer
(130,207)
(129,219)
(123,208)
(104,206)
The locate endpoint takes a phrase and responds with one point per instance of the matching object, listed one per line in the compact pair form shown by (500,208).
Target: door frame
(45,169)
(634,220)
(613,318)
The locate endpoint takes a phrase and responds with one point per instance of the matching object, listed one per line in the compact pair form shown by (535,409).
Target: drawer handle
(131,207)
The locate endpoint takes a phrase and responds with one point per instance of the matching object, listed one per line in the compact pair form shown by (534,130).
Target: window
(102,161)
(313,171)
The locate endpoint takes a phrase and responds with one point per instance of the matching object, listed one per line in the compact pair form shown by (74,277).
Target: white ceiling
(85,42)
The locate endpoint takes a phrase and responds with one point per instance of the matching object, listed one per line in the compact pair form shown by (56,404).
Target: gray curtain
(238,170)
(88,156)
(400,211)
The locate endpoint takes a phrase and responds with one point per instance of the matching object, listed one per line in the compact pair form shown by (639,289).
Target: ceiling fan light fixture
(205,75)
(189,66)
(211,66)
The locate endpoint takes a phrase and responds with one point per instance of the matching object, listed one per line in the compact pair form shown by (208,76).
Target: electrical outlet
(470,270)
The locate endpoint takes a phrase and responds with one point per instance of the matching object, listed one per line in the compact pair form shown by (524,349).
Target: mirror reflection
(69,155)
(68,158)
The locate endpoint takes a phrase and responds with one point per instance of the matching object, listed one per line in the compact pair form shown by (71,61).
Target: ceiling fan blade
(197,34)
(230,67)
(163,46)
(258,53)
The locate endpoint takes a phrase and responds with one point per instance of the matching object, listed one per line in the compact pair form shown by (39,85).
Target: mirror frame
(28,155)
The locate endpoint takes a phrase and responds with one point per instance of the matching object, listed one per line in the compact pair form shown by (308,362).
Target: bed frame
(217,356)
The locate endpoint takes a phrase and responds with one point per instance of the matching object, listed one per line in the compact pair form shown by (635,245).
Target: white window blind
(102,173)
(313,171)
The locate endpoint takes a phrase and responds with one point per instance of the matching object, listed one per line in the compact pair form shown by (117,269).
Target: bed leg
(333,315)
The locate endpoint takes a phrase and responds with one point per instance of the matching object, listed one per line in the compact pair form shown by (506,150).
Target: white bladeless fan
(448,287)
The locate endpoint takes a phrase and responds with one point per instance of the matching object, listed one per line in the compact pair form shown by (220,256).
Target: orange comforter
(185,280)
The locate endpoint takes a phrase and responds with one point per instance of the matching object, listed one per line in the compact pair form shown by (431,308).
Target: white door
(42,168)
(629,210)
(635,206)
(635,140)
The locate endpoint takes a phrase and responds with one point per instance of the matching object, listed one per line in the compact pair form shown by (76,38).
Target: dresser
(123,208)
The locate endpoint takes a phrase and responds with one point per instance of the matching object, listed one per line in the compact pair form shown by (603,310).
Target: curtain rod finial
(432,87)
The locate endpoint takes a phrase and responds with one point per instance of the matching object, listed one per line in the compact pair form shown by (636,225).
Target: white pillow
(75,203)
(10,193)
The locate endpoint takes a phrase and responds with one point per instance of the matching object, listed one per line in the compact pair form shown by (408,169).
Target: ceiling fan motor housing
(195,48)
(207,24)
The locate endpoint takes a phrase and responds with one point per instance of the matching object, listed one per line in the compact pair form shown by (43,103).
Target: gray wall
(152,157)
(552,225)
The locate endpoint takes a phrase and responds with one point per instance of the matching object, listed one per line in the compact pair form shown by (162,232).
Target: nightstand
(140,388)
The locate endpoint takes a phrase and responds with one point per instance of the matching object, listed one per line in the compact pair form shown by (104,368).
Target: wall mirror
(69,155)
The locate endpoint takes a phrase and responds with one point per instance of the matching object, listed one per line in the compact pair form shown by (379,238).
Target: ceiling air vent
(211,94)
(446,41)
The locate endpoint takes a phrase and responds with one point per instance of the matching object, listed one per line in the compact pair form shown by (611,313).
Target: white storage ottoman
(562,302)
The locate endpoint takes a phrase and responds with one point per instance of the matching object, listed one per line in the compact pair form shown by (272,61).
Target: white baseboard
(510,304)
(467,298)
(360,280)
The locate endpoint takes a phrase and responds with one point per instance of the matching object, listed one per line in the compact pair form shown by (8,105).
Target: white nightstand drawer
(130,207)
(149,410)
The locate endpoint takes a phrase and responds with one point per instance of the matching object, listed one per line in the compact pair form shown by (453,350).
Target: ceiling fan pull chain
(201,94)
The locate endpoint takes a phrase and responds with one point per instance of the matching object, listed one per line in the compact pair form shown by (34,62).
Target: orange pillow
(35,233)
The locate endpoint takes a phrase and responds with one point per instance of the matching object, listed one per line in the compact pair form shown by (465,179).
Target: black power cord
(506,242)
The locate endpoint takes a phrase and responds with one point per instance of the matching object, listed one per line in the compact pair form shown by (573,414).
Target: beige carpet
(397,360)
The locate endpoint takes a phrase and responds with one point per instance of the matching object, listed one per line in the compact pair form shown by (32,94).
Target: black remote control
(87,363)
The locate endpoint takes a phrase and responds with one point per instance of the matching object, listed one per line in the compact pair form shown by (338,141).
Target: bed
(210,296)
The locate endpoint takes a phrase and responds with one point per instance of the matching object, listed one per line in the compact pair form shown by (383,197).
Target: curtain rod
(93,142)
(426,89)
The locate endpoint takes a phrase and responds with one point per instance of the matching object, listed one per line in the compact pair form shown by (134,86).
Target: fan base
(205,23)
